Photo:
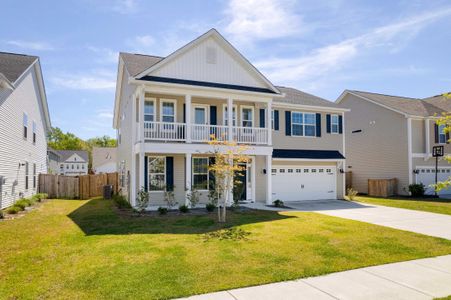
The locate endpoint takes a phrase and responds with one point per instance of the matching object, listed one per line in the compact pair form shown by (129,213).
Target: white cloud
(125,6)
(106,55)
(95,80)
(39,46)
(144,44)
(105,114)
(262,19)
(322,61)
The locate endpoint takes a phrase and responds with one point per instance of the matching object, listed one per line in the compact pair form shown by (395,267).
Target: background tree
(445,119)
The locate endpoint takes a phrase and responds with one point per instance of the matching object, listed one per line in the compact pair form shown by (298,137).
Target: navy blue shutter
(184,113)
(276,120)
(436,133)
(328,123)
(146,173)
(169,173)
(262,118)
(340,124)
(287,122)
(211,174)
(213,115)
(318,125)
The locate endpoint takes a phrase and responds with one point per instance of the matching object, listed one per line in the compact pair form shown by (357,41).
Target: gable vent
(211,55)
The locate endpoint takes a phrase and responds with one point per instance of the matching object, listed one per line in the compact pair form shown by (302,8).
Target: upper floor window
(25,126)
(26,175)
(34,176)
(168,111)
(247,116)
(157,173)
(149,111)
(303,124)
(334,124)
(441,134)
(34,132)
(226,115)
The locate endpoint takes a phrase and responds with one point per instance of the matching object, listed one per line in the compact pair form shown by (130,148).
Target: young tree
(229,159)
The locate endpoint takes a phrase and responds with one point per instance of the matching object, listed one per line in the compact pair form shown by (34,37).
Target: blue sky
(321,47)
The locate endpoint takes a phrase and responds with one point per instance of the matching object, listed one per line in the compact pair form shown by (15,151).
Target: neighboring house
(24,123)
(104,160)
(53,159)
(166,109)
(392,137)
(72,162)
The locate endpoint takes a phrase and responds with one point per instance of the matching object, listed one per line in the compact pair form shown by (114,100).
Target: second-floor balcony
(201,133)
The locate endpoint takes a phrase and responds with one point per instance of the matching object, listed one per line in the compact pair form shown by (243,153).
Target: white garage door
(426,176)
(296,183)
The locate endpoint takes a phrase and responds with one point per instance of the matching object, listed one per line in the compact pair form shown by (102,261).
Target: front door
(200,130)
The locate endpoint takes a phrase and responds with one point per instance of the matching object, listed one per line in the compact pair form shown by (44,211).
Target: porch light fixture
(264,171)
(21,165)
(416,171)
(342,171)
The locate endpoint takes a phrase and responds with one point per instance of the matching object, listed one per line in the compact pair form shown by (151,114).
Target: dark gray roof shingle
(294,96)
(13,65)
(65,154)
(137,63)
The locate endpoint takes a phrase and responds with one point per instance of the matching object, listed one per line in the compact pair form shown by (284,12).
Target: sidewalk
(417,279)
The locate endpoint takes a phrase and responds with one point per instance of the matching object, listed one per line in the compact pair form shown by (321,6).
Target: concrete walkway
(418,279)
(427,223)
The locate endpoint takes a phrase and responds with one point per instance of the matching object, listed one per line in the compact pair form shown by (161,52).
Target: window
(290,170)
(200,173)
(168,111)
(157,173)
(78,167)
(321,170)
(298,170)
(149,111)
(313,170)
(34,132)
(282,171)
(26,175)
(62,167)
(328,170)
(441,134)
(72,166)
(225,117)
(119,139)
(247,116)
(67,166)
(34,176)
(272,119)
(334,124)
(273,171)
(83,167)
(303,124)
(25,126)
(305,170)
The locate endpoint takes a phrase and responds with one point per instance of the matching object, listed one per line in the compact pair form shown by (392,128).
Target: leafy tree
(445,119)
(102,141)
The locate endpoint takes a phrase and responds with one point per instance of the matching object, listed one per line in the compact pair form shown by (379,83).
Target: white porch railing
(166,131)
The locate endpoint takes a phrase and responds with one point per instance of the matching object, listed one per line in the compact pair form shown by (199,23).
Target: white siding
(193,65)
(14,149)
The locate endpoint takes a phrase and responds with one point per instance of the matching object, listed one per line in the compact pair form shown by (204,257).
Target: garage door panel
(297,183)
(426,176)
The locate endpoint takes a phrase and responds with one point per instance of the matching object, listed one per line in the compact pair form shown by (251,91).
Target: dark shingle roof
(307,154)
(12,65)
(137,63)
(65,154)
(411,106)
(294,96)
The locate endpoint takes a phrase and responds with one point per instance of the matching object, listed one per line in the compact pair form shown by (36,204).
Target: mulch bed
(20,214)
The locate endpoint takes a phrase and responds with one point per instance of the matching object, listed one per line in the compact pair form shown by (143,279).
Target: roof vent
(211,55)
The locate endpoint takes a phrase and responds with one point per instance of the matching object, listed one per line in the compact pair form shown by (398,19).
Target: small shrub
(210,207)
(234,234)
(21,204)
(142,199)
(193,197)
(183,208)
(169,197)
(162,210)
(417,189)
(352,193)
(121,202)
(278,203)
(13,210)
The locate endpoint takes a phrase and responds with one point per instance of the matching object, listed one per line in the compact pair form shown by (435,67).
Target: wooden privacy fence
(80,187)
(382,187)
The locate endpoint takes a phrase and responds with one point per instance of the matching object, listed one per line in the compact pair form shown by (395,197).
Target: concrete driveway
(432,224)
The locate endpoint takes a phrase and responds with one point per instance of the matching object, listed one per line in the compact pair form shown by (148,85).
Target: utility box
(107,191)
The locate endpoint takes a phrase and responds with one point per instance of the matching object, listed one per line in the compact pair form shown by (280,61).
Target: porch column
(132,185)
(230,191)
(268,179)
(230,118)
(188,118)
(141,170)
(427,140)
(268,121)
(141,115)
(188,166)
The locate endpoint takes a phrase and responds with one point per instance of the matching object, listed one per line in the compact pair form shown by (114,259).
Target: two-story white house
(24,123)
(166,108)
(70,162)
(392,137)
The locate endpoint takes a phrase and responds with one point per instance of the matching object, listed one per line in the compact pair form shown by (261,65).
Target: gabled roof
(13,65)
(404,105)
(103,155)
(294,96)
(65,154)
(137,63)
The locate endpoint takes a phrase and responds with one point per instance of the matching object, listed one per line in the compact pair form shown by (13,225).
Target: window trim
(224,115)
(154,102)
(441,132)
(332,124)
(242,107)
(162,101)
(149,174)
(34,176)
(207,113)
(207,173)
(272,119)
(27,170)
(303,124)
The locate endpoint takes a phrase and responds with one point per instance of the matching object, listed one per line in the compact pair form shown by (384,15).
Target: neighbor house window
(225,117)
(441,134)
(34,176)
(149,111)
(247,117)
(34,132)
(26,175)
(303,124)
(168,111)
(157,173)
(272,119)
(25,126)
(200,173)
(334,123)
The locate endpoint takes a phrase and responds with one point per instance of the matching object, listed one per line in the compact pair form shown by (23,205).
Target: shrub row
(25,202)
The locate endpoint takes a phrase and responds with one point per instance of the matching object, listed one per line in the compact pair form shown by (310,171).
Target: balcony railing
(177,132)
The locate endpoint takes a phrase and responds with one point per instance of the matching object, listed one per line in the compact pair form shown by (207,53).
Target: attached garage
(426,176)
(301,175)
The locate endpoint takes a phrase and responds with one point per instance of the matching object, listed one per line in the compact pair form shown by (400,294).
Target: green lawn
(75,249)
(440,206)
